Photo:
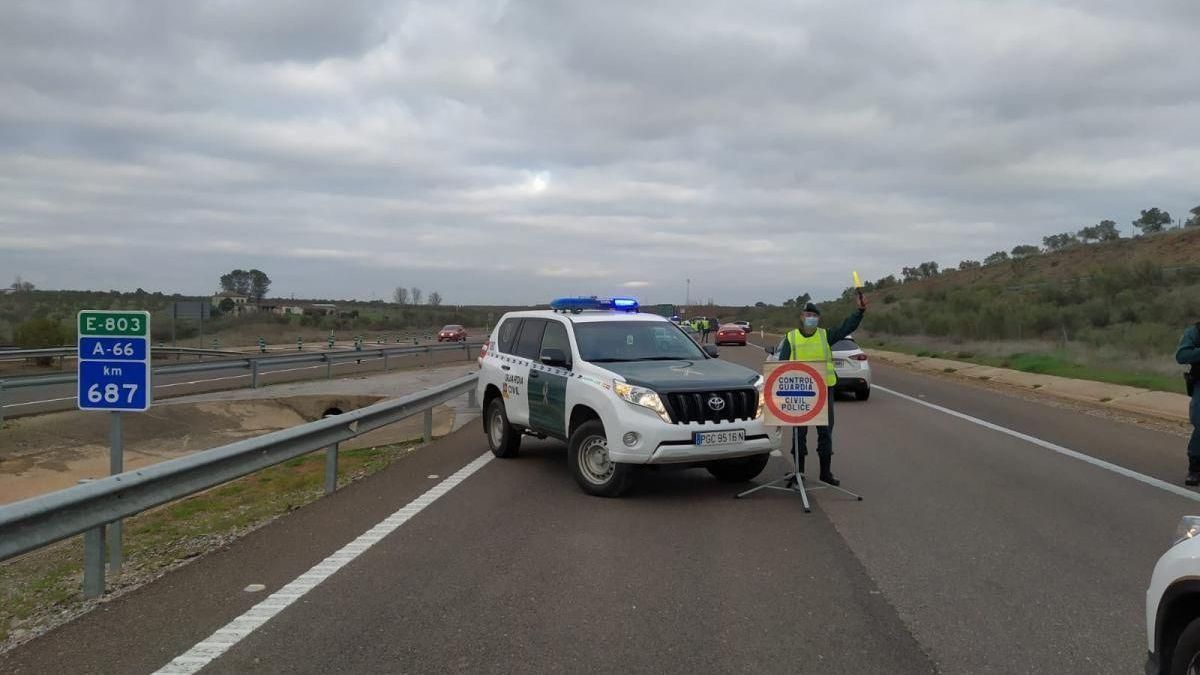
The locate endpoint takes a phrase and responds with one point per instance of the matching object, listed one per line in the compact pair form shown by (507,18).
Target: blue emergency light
(576,305)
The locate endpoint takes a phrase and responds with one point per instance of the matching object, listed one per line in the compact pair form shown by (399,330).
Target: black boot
(826,474)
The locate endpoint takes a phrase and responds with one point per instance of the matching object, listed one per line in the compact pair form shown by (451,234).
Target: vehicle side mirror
(712,351)
(555,358)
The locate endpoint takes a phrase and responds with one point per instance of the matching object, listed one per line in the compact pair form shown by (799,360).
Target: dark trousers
(1194,444)
(824,435)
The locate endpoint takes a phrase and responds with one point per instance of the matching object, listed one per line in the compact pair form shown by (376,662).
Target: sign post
(114,377)
(795,395)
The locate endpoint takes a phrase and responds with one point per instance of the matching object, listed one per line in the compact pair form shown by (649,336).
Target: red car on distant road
(731,334)
(452,333)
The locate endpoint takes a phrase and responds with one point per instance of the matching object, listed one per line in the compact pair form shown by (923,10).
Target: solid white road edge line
(233,632)
(1120,470)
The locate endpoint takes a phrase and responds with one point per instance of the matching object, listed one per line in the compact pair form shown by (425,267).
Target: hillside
(1169,250)
(1111,312)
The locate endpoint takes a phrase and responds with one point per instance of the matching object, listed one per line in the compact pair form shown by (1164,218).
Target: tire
(1186,653)
(739,470)
(587,454)
(503,439)
(863,394)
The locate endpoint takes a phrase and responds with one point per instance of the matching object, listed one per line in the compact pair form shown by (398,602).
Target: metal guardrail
(256,365)
(87,508)
(51,352)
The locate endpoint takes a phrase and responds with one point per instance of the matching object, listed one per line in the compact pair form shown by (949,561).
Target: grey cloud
(505,151)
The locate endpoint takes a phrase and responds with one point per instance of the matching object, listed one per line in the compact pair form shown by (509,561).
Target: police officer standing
(812,343)
(1189,354)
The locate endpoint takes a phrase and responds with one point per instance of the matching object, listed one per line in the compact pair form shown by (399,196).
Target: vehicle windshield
(611,341)
(451,328)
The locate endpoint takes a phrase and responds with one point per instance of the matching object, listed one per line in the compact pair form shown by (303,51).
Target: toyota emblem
(716,404)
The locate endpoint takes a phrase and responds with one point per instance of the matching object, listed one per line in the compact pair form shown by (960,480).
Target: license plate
(839,363)
(706,438)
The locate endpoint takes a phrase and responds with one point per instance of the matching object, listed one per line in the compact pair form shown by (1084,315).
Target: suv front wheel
(596,473)
(503,439)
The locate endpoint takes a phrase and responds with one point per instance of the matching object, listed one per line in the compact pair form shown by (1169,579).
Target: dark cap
(810,307)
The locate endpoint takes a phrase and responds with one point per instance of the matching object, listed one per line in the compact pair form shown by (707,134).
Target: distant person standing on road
(705,328)
(810,343)
(1189,354)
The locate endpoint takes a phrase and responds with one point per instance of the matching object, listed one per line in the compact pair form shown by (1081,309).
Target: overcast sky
(510,151)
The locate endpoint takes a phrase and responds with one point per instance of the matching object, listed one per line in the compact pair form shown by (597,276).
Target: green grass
(47,582)
(1052,364)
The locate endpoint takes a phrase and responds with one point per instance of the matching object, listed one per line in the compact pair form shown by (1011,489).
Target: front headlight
(758,386)
(642,397)
(1189,527)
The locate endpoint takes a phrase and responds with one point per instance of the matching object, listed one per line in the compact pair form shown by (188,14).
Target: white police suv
(623,389)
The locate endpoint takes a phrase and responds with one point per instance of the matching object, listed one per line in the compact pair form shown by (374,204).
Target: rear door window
(507,335)
(531,338)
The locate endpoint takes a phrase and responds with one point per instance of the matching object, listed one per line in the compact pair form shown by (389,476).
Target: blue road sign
(114,361)
(112,348)
(113,385)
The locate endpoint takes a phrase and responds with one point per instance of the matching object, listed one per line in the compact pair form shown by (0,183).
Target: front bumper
(663,443)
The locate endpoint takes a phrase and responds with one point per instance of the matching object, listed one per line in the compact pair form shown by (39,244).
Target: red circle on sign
(769,386)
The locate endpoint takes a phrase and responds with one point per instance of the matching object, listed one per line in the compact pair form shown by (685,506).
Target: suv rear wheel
(596,473)
(739,470)
(503,439)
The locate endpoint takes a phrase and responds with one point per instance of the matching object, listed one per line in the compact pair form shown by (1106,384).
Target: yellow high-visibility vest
(812,348)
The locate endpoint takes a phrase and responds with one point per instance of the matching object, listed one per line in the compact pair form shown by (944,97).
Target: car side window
(556,338)
(507,335)
(530,339)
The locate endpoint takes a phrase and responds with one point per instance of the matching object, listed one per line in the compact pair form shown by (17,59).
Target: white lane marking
(49,400)
(221,640)
(1120,470)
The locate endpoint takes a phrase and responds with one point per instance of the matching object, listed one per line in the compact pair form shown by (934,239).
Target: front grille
(685,407)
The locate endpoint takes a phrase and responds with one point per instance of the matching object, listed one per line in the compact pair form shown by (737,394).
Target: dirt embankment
(51,452)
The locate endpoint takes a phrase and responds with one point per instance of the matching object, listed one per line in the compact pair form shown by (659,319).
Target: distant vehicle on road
(622,389)
(853,369)
(731,334)
(744,325)
(452,333)
(1173,605)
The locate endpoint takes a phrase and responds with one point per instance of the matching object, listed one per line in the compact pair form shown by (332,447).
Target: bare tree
(435,299)
(21,286)
(400,295)
(416,295)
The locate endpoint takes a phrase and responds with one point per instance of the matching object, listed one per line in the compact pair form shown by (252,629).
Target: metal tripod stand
(793,481)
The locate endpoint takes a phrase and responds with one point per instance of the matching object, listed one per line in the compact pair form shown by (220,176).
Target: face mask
(811,321)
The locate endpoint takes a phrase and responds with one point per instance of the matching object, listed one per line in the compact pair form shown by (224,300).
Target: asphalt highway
(983,545)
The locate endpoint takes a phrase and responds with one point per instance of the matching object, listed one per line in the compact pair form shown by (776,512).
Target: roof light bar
(579,304)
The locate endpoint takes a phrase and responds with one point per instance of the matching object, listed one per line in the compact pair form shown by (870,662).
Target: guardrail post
(428,435)
(93,562)
(331,463)
(472,399)
(254,373)
(385,362)
(429,350)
